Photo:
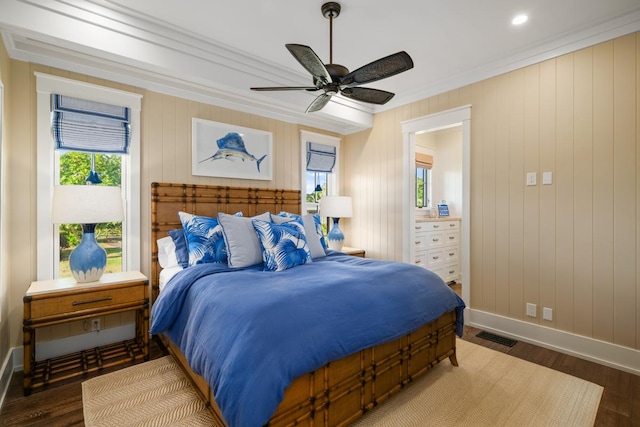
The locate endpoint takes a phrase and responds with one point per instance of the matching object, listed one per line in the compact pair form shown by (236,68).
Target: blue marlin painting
(231,147)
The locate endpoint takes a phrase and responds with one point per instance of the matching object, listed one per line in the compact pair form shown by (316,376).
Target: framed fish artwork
(227,151)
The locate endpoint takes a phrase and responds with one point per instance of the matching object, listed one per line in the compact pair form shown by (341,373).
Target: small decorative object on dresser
(53,302)
(437,247)
(336,207)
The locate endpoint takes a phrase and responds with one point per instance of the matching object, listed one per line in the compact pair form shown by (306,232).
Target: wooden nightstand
(353,251)
(51,302)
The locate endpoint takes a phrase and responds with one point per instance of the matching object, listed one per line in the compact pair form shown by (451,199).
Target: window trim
(47,84)
(332,178)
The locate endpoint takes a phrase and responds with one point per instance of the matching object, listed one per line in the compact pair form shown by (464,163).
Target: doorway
(410,129)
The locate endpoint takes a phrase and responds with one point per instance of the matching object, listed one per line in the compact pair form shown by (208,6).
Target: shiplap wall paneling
(583,189)
(477,197)
(625,190)
(516,194)
(603,186)
(531,242)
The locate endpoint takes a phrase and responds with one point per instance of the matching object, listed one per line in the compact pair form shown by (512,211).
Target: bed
(322,377)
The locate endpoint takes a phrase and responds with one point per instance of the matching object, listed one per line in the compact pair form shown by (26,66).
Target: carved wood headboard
(207,200)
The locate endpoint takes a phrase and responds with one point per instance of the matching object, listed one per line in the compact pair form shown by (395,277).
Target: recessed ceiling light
(519,19)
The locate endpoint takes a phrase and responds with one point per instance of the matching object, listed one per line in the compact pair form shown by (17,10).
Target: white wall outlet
(547,313)
(531,178)
(95,325)
(531,310)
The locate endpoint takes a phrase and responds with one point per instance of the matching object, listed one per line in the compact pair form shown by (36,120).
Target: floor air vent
(497,338)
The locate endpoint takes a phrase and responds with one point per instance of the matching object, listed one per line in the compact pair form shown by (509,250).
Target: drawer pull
(452,237)
(451,271)
(436,257)
(418,242)
(418,261)
(91,301)
(418,227)
(436,240)
(452,225)
(436,225)
(452,253)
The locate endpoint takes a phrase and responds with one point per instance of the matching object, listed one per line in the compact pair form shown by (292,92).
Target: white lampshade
(336,206)
(86,204)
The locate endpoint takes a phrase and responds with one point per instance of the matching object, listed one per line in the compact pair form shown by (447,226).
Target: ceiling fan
(333,78)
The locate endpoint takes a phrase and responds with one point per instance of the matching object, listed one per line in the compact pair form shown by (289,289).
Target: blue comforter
(250,332)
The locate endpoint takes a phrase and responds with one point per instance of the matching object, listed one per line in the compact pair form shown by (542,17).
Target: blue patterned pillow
(182,253)
(313,230)
(284,245)
(205,242)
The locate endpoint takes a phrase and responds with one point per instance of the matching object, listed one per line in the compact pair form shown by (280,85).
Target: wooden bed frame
(340,392)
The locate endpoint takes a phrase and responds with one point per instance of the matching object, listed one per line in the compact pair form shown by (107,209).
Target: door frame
(460,116)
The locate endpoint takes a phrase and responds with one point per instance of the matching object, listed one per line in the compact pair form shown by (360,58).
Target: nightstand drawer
(64,304)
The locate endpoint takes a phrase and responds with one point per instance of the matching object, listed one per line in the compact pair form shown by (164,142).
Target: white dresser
(437,246)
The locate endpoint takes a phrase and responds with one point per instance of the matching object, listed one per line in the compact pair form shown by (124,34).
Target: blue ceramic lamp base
(335,237)
(88,260)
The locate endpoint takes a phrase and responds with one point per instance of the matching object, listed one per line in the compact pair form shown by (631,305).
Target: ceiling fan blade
(309,88)
(318,103)
(365,94)
(310,61)
(380,69)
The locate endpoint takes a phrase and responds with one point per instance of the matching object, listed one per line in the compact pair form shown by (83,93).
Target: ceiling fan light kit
(332,78)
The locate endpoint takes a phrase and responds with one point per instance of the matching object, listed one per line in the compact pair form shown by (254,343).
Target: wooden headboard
(207,200)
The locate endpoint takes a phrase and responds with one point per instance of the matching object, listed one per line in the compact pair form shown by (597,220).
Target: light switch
(547,178)
(531,178)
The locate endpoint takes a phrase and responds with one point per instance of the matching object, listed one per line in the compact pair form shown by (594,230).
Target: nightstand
(353,251)
(52,302)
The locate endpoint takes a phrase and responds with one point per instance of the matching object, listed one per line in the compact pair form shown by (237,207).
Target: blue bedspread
(249,332)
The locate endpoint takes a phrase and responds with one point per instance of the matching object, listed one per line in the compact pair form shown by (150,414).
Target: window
(424,162)
(320,165)
(72,167)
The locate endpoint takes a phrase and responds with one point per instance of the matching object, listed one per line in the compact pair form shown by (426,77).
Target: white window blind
(320,157)
(89,126)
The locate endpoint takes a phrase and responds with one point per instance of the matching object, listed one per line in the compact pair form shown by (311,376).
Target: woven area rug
(489,388)
(154,393)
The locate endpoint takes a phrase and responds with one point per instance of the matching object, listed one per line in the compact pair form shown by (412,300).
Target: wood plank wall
(571,246)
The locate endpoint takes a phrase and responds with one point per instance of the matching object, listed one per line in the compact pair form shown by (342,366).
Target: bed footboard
(342,391)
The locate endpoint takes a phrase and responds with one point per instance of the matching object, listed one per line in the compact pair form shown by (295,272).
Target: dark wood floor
(61,404)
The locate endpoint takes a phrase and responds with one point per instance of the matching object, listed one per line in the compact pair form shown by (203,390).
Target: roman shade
(424,161)
(89,126)
(320,157)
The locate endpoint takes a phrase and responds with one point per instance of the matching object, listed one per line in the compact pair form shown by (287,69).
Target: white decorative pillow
(243,247)
(312,229)
(284,245)
(205,242)
(167,252)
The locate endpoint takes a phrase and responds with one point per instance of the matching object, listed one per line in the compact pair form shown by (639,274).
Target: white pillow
(243,246)
(167,252)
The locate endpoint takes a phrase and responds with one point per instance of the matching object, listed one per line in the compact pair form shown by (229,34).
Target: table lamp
(336,207)
(87,205)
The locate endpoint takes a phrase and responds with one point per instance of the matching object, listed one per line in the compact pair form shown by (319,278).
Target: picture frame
(228,151)
(443,210)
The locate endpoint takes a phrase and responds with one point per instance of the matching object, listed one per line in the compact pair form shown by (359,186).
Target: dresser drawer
(435,239)
(451,237)
(71,303)
(420,259)
(435,257)
(438,225)
(420,241)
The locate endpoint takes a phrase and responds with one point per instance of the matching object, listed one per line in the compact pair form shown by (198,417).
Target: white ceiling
(213,51)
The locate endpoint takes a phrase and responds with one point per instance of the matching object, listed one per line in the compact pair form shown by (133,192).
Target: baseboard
(608,354)
(5,373)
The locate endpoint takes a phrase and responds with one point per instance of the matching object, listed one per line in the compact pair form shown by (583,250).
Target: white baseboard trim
(608,354)
(5,374)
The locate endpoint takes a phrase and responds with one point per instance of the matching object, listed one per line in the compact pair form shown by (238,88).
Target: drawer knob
(451,271)
(418,227)
(418,261)
(418,242)
(452,237)
(436,225)
(452,253)
(436,257)
(436,239)
(452,225)
(91,301)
